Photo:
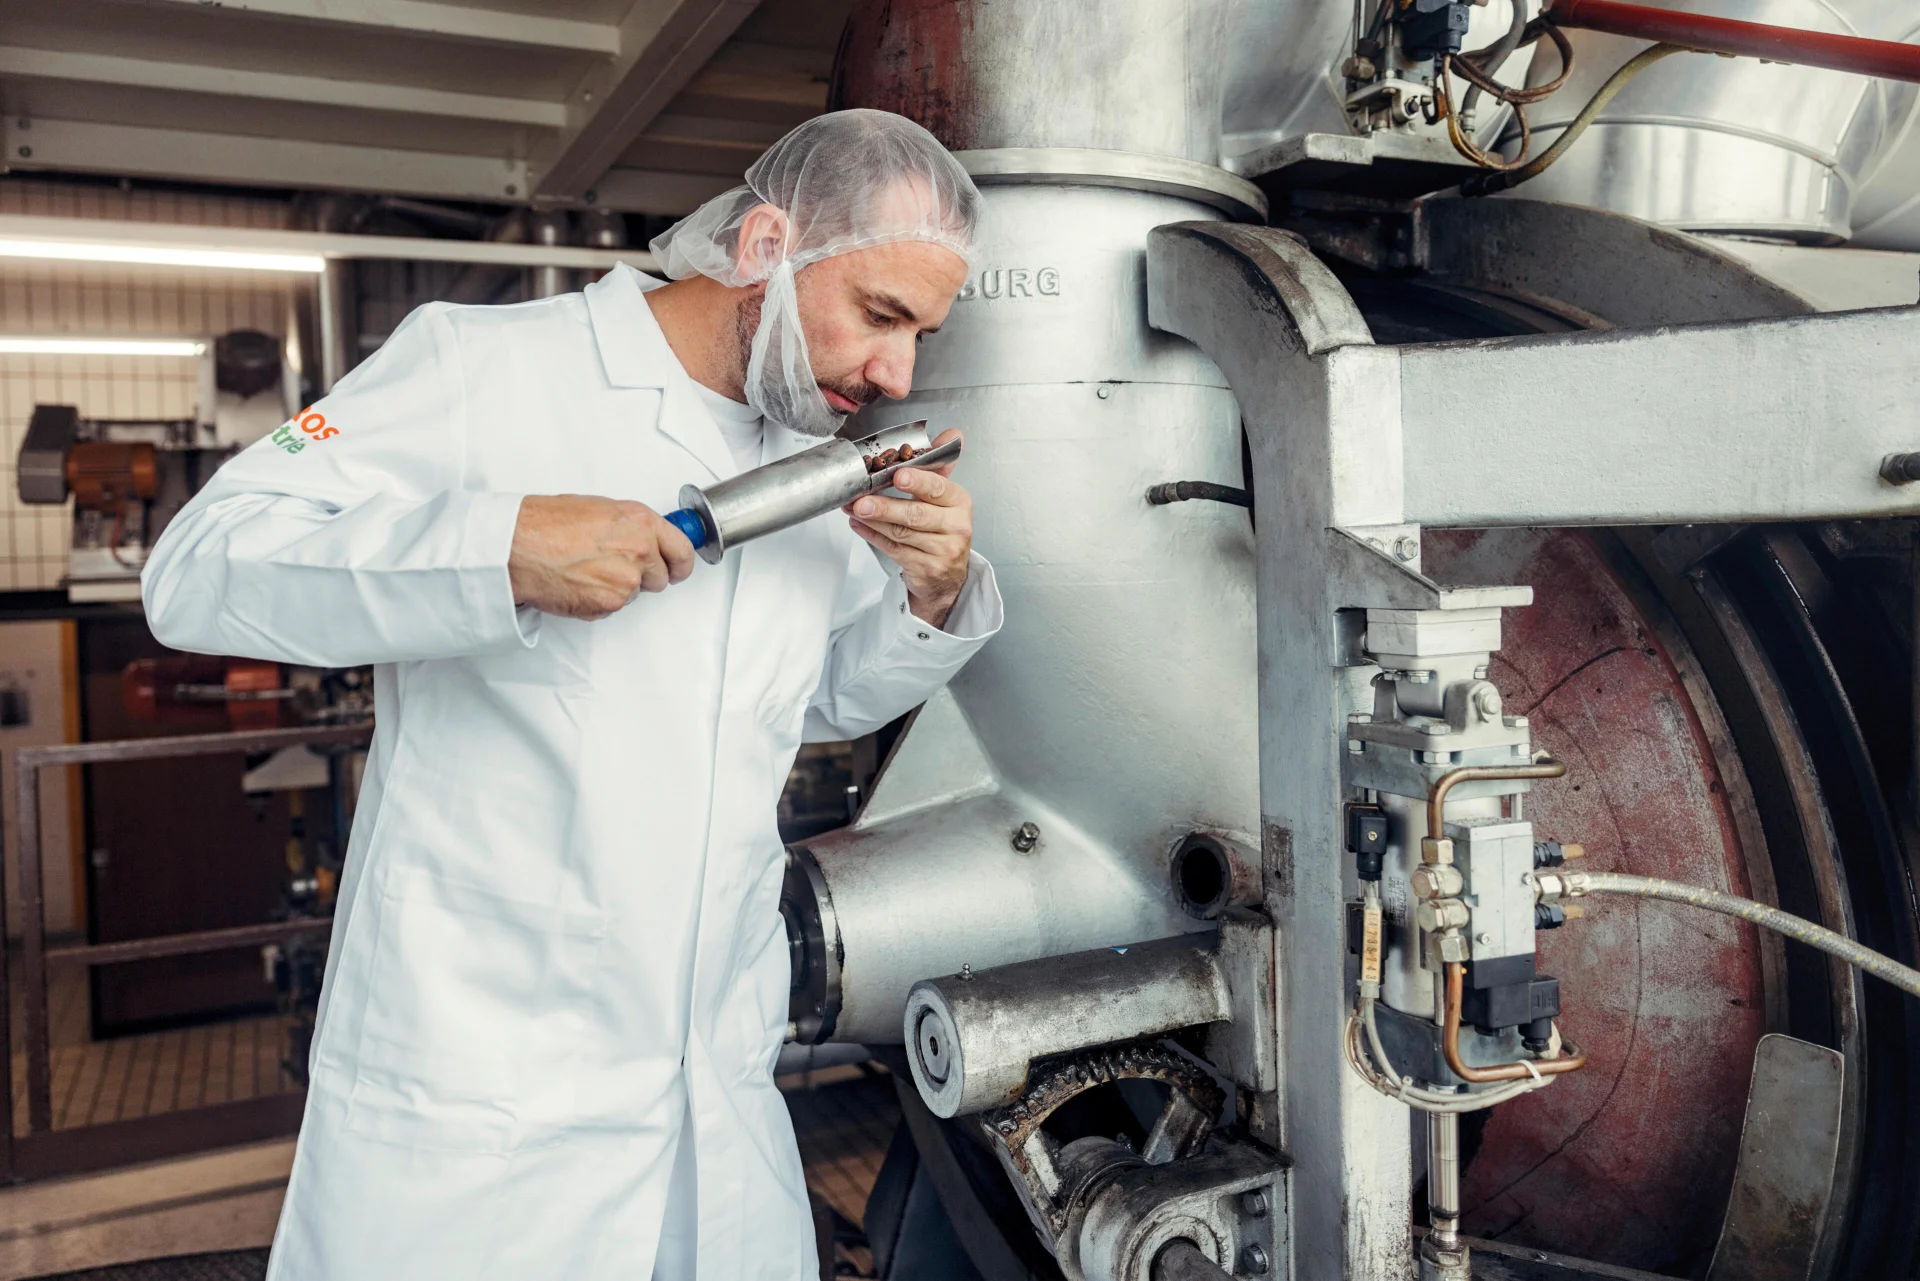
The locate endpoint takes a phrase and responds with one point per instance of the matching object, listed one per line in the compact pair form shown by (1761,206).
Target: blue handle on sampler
(688,522)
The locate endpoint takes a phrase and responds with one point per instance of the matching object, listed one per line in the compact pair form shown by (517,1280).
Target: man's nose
(892,370)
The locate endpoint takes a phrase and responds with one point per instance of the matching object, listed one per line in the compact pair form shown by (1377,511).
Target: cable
(1180,491)
(1506,176)
(1376,1069)
(1495,55)
(1771,918)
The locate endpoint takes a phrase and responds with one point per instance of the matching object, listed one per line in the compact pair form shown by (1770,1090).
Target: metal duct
(1717,145)
(1116,713)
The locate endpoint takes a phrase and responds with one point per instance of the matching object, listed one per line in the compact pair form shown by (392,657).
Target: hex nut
(1024,838)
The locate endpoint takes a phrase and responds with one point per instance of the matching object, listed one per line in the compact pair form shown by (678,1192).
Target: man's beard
(747,322)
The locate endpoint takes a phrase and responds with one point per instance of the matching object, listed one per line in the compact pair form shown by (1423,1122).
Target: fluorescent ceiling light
(161,256)
(16,346)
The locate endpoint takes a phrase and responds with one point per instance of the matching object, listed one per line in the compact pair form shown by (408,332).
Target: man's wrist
(932,609)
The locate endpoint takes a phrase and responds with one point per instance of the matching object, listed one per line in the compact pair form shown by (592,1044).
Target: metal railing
(43,1151)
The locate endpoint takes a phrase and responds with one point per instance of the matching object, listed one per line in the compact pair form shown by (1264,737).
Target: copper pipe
(1437,797)
(1885,58)
(1572,1060)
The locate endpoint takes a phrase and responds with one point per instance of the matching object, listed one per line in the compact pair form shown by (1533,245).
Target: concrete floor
(228,1201)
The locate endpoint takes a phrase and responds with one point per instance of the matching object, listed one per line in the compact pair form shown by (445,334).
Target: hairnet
(846,180)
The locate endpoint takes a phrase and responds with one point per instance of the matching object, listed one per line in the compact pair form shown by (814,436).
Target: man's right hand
(586,557)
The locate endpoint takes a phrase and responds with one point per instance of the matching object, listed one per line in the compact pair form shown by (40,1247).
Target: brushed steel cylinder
(1122,75)
(793,489)
(1728,145)
(1117,708)
(972,1037)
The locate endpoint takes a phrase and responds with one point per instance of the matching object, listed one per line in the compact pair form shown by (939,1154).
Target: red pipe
(1884,58)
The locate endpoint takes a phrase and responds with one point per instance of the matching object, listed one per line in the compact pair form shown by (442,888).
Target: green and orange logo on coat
(311,427)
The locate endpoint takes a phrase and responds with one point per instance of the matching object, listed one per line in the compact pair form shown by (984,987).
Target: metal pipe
(191,944)
(1884,58)
(971,1037)
(1443,1179)
(1572,1057)
(813,482)
(1437,795)
(1182,1260)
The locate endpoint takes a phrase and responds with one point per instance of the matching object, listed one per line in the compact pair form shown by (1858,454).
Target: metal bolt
(1254,1203)
(1104,392)
(1436,730)
(1406,548)
(966,972)
(512,190)
(1025,837)
(1486,701)
(26,152)
(1900,469)
(592,197)
(1484,939)
(1253,1259)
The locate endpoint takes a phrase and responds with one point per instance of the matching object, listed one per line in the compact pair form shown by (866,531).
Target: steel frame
(43,1151)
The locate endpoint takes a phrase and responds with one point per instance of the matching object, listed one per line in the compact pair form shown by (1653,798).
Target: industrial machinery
(128,477)
(1406,582)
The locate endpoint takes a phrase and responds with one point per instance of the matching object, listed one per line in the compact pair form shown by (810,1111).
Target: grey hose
(1498,52)
(1772,918)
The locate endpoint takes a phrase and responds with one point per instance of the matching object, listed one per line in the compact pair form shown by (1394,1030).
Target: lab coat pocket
(476,1017)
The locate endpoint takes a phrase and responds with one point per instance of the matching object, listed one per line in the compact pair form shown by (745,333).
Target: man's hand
(588,557)
(928,535)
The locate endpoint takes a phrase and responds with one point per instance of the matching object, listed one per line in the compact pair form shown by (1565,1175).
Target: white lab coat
(558,931)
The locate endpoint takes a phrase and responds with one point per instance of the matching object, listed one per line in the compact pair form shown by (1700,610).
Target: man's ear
(762,242)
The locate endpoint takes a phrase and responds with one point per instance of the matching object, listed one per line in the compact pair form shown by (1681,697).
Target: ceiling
(647,106)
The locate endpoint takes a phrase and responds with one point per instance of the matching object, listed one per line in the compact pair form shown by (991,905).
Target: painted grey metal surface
(1713,144)
(1788,1152)
(1268,312)
(1784,419)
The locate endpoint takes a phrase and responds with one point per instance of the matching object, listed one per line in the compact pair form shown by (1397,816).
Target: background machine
(1409,587)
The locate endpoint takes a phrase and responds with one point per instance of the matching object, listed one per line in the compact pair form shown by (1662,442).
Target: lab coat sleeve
(347,536)
(883,661)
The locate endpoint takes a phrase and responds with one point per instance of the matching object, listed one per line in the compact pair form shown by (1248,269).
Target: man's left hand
(927,535)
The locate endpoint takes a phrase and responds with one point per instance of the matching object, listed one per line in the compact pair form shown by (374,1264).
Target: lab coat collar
(635,353)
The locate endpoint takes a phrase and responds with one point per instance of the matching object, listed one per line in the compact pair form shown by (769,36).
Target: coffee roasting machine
(1451,487)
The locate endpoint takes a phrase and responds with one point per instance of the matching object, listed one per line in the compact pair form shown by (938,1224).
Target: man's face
(864,313)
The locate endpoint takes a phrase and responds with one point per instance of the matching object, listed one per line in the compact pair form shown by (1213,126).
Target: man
(559,977)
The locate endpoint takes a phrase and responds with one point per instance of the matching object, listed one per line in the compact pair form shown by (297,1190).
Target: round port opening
(1202,876)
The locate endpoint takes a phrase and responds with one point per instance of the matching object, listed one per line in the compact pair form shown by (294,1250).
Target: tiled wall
(78,300)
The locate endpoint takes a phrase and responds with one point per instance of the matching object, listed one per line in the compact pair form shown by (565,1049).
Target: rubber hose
(1487,184)
(1771,918)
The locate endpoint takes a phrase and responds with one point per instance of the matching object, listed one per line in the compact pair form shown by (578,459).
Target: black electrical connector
(1434,28)
(1367,838)
(1555,853)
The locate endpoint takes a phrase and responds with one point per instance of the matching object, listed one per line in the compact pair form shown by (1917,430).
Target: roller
(797,488)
